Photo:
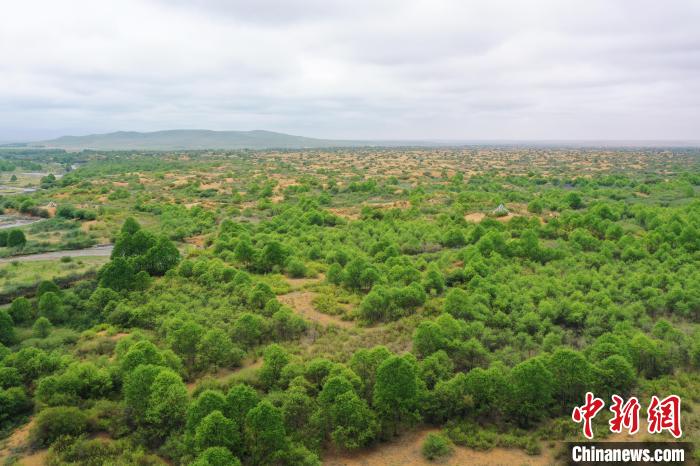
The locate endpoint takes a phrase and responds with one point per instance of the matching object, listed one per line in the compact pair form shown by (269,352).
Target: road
(104,250)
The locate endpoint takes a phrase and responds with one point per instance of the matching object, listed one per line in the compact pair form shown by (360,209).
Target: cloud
(483,69)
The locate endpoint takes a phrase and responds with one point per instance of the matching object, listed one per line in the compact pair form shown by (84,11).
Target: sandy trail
(302,303)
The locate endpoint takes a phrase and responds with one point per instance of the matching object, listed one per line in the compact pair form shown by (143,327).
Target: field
(368,306)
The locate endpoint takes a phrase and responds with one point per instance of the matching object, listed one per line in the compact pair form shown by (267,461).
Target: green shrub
(53,423)
(436,446)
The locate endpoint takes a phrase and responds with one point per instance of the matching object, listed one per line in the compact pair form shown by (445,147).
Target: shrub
(52,423)
(436,446)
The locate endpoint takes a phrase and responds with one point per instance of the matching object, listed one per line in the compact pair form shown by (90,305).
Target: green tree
(365,362)
(216,456)
(207,402)
(42,327)
(273,254)
(436,367)
(51,307)
(532,387)
(354,425)
(274,360)
(244,252)
(215,430)
(573,376)
(396,393)
(216,350)
(137,390)
(8,336)
(118,274)
(185,339)
(16,239)
(265,433)
(141,352)
(21,310)
(46,286)
(167,404)
(240,399)
(159,258)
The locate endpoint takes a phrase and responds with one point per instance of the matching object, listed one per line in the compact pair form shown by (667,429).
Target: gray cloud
(482,69)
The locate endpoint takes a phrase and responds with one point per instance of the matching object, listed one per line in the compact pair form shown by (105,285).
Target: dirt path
(406,451)
(102,250)
(17,442)
(302,303)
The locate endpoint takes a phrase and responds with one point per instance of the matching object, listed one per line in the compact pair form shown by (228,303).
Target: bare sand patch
(302,303)
(406,451)
(475,217)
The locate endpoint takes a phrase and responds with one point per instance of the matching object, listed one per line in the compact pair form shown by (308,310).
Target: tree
(244,252)
(131,244)
(46,286)
(13,401)
(532,387)
(248,329)
(184,339)
(274,360)
(206,403)
(216,349)
(167,404)
(615,375)
(436,367)
(395,395)
(137,390)
(8,336)
(365,363)
(265,433)
(457,304)
(334,274)
(428,338)
(51,307)
(118,274)
(352,274)
(488,389)
(42,327)
(159,258)
(240,399)
(216,456)
(141,352)
(21,310)
(273,254)
(215,430)
(573,376)
(573,200)
(130,226)
(16,239)
(354,425)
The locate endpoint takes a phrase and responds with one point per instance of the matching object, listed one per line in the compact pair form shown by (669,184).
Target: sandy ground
(18,441)
(406,451)
(302,303)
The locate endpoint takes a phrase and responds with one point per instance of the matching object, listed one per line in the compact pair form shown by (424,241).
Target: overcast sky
(403,69)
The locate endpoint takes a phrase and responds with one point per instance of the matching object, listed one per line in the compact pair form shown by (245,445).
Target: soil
(302,303)
(406,451)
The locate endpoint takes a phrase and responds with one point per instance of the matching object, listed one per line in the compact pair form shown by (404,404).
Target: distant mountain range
(196,139)
(201,139)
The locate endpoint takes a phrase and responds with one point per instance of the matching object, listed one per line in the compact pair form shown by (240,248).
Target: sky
(360,69)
